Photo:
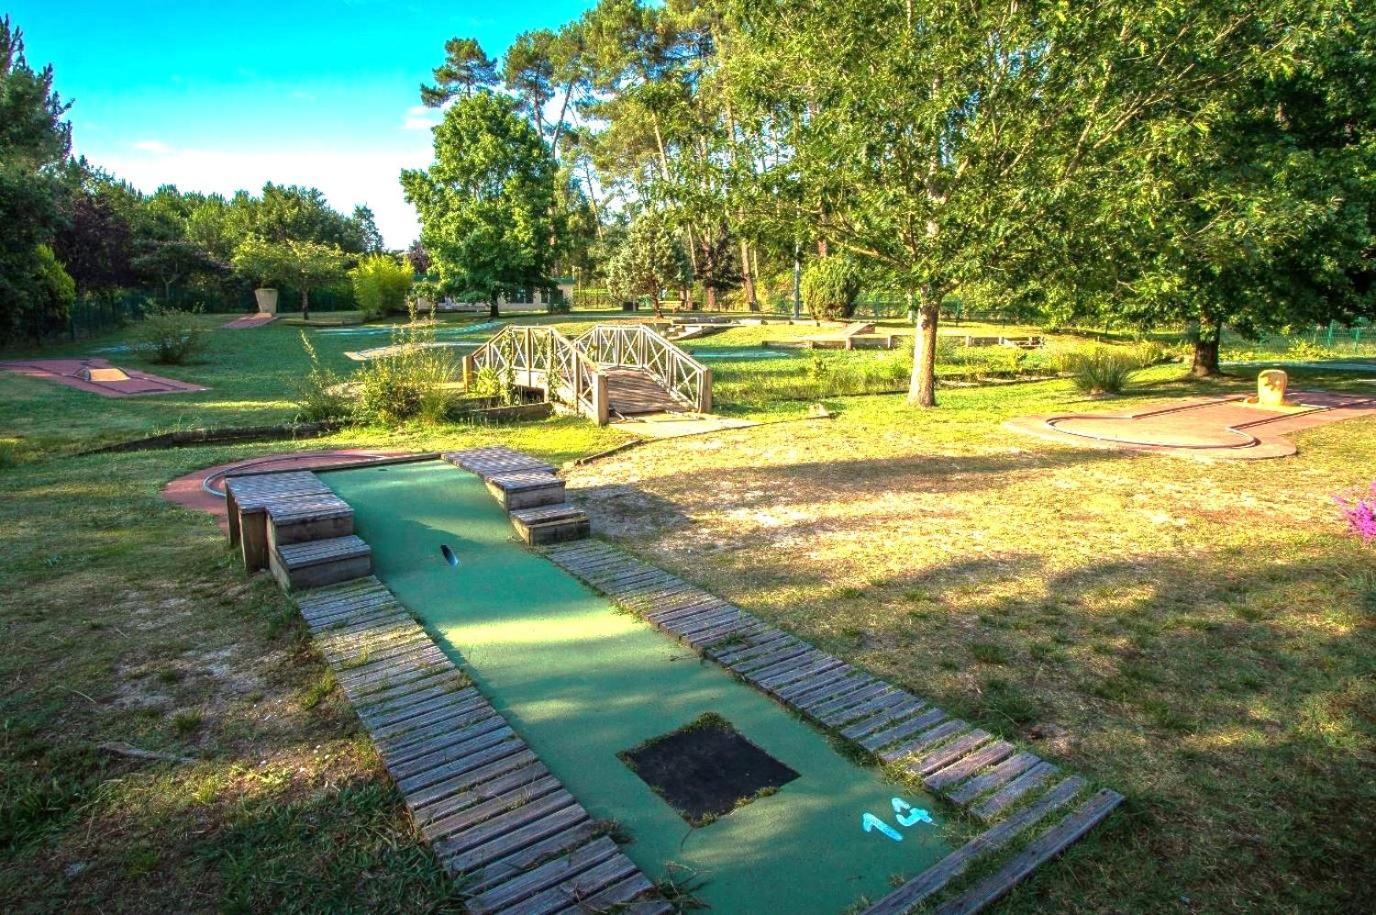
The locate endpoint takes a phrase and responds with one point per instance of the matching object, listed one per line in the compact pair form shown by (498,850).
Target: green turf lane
(581,681)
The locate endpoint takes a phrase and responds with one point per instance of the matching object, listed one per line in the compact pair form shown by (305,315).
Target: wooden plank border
(499,822)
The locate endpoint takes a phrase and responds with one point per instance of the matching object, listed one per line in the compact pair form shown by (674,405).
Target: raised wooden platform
(550,524)
(526,489)
(247,499)
(503,826)
(494,460)
(1012,789)
(317,563)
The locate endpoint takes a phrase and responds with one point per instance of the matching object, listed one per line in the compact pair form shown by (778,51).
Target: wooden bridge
(607,371)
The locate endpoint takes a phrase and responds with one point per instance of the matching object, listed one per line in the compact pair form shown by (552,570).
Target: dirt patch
(707,769)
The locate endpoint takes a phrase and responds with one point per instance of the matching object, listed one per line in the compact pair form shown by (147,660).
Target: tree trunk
(711,293)
(492,309)
(305,304)
(1206,340)
(922,387)
(748,278)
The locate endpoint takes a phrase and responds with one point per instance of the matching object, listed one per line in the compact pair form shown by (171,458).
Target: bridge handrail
(642,347)
(563,369)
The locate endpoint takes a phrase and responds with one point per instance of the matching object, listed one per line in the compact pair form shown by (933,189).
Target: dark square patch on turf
(706,769)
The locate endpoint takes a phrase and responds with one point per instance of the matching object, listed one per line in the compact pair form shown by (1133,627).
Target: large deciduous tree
(649,261)
(34,142)
(486,205)
(953,144)
(305,265)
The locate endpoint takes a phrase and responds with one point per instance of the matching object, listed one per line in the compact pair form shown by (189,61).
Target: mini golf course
(98,376)
(716,786)
(1203,428)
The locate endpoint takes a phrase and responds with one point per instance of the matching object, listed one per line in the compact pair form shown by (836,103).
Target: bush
(1101,370)
(414,381)
(830,286)
(322,396)
(171,336)
(380,285)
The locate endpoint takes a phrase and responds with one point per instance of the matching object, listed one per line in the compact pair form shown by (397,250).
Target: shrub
(171,336)
(830,285)
(1361,515)
(322,396)
(414,381)
(1101,370)
(380,285)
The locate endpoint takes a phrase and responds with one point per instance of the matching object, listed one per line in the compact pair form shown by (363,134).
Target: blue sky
(222,96)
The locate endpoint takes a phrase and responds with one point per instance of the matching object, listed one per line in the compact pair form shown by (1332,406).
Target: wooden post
(469,371)
(705,391)
(601,402)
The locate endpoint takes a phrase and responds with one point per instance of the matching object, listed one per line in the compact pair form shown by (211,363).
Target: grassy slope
(1199,632)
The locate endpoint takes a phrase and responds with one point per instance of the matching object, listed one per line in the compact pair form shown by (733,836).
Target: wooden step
(250,494)
(299,519)
(550,523)
(526,489)
(321,562)
(494,460)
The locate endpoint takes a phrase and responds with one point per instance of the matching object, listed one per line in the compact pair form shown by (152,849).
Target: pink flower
(1360,515)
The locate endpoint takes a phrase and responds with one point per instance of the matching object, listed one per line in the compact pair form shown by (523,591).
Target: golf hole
(448,555)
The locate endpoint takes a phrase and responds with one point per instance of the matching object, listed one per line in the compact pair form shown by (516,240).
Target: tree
(380,284)
(417,258)
(1263,215)
(169,260)
(486,205)
(34,142)
(649,261)
(370,239)
(466,69)
(304,265)
(948,144)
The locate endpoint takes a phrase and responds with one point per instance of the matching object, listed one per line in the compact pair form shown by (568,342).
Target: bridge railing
(543,358)
(638,346)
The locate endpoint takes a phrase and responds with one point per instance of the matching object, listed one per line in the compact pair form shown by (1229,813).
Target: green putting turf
(582,682)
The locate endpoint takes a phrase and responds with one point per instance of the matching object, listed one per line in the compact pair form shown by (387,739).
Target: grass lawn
(1197,636)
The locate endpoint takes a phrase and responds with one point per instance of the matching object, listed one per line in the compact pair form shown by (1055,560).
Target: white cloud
(345,176)
(419,117)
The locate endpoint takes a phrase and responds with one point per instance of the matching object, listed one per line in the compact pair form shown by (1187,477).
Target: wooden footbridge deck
(607,371)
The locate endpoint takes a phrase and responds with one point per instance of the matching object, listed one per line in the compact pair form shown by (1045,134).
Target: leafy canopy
(486,205)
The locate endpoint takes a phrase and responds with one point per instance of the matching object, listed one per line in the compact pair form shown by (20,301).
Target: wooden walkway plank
(902,730)
(436,799)
(948,753)
(579,886)
(522,793)
(999,775)
(550,874)
(1037,852)
(494,873)
(1009,794)
(924,741)
(962,769)
(543,827)
(936,877)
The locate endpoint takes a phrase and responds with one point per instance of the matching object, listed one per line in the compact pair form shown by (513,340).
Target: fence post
(705,391)
(601,402)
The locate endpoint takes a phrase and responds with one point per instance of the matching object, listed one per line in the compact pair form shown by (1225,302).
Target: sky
(216,97)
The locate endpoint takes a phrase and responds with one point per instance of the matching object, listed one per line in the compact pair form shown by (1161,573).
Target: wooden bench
(526,489)
(317,563)
(550,524)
